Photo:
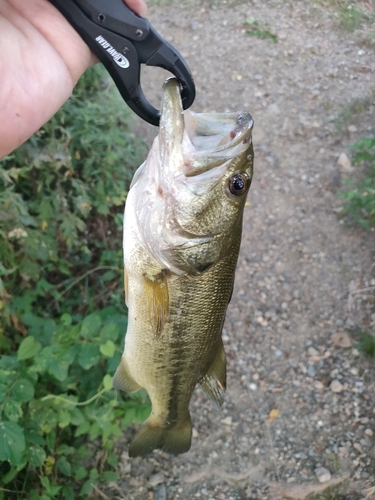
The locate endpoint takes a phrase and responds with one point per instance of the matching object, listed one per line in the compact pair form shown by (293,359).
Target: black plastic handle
(123,41)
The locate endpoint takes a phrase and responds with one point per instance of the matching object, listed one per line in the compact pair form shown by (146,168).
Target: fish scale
(182,235)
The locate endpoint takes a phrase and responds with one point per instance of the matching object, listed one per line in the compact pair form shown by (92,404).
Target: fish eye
(238,184)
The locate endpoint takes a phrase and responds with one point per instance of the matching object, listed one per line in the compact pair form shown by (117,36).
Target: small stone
(273,109)
(253,387)
(227,421)
(358,447)
(194,25)
(156,479)
(344,163)
(160,492)
(311,351)
(352,129)
(369,432)
(336,386)
(334,179)
(343,451)
(322,474)
(318,385)
(341,339)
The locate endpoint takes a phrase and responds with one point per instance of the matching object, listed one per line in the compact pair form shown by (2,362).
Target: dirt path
(298,399)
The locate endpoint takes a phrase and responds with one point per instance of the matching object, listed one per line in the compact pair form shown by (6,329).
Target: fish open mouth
(216,132)
(215,139)
(206,140)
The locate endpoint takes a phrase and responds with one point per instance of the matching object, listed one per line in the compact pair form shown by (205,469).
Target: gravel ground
(300,406)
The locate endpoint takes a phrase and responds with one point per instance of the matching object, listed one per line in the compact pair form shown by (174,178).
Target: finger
(139,6)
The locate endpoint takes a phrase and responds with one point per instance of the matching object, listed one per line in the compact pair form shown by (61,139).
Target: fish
(182,234)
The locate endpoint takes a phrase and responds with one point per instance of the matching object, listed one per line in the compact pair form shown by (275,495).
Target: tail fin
(174,440)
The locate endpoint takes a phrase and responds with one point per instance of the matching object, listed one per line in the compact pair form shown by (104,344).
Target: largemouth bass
(182,234)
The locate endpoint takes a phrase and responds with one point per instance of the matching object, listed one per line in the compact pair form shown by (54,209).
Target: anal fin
(122,380)
(214,382)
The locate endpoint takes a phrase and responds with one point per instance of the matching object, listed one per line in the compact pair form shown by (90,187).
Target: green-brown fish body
(182,234)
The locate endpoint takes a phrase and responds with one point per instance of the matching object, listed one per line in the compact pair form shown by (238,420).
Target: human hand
(41,60)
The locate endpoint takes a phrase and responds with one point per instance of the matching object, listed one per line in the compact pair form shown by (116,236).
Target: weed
(254,29)
(352,110)
(63,317)
(366,342)
(350,17)
(360,201)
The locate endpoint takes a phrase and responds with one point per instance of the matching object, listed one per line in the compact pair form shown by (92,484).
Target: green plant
(350,17)
(366,342)
(56,394)
(360,201)
(254,29)
(62,312)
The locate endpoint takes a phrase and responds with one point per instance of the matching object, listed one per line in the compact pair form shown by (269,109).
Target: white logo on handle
(119,59)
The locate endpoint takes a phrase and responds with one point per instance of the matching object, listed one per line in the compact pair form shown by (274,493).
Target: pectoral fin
(157,296)
(123,381)
(214,382)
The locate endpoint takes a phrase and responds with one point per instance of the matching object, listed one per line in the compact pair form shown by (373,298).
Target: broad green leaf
(37,455)
(87,487)
(76,416)
(67,493)
(108,349)
(89,355)
(80,473)
(23,390)
(59,370)
(94,474)
(83,429)
(129,418)
(12,442)
(143,412)
(64,466)
(66,319)
(112,459)
(108,476)
(109,332)
(9,362)
(94,431)
(7,376)
(34,437)
(10,475)
(60,362)
(51,440)
(108,382)
(64,418)
(91,325)
(28,348)
(112,363)
(13,410)
(3,392)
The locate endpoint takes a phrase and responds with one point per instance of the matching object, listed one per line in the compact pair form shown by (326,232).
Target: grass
(259,31)
(352,111)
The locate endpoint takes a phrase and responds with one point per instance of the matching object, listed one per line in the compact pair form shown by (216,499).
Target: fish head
(192,188)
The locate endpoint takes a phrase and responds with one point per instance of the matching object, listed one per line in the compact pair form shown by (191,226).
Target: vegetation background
(63,317)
